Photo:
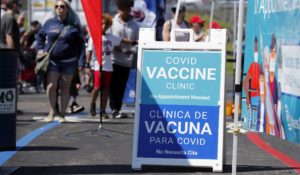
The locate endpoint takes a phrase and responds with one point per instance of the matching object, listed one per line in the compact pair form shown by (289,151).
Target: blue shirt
(70,45)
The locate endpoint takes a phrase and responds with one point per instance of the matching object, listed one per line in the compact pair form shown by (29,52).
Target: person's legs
(114,88)
(105,92)
(87,81)
(73,89)
(122,81)
(103,102)
(52,82)
(66,80)
(118,84)
(95,93)
(74,107)
(105,83)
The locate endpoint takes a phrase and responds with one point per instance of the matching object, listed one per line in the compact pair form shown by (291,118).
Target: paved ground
(78,147)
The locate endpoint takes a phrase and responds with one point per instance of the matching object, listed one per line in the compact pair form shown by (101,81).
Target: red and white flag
(93,13)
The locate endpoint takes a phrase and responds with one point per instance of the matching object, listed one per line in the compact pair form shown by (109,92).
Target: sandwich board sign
(179,115)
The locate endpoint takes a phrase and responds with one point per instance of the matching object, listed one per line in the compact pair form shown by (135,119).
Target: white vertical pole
(29,10)
(238,87)
(211,17)
(177,12)
(234,43)
(172,35)
(234,29)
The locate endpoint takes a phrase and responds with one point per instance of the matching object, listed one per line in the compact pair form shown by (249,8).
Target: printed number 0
(7,96)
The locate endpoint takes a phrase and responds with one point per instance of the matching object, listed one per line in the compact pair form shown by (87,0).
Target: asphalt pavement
(79,147)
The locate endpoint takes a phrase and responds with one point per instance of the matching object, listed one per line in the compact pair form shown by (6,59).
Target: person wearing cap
(273,85)
(179,24)
(124,26)
(65,31)
(197,25)
(144,17)
(214,25)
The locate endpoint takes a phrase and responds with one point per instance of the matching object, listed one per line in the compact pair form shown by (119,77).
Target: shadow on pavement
(126,169)
(97,131)
(253,168)
(46,148)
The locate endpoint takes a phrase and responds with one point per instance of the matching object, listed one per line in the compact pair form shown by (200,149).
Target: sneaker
(75,108)
(116,114)
(93,109)
(69,110)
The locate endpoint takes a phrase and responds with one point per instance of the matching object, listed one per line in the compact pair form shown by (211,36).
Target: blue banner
(181,77)
(129,94)
(171,131)
(180,105)
(271,68)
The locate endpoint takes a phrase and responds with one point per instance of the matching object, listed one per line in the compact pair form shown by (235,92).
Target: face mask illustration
(256,57)
(272,64)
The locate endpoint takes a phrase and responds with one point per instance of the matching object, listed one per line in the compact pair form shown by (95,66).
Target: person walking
(102,77)
(123,55)
(64,31)
(74,107)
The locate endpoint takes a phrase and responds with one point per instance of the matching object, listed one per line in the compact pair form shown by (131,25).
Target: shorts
(106,79)
(68,68)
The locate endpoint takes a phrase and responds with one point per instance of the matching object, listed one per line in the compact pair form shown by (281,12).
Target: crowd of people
(73,57)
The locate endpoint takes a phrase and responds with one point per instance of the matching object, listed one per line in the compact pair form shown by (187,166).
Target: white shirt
(128,30)
(90,47)
(109,41)
(2,12)
(180,36)
(148,21)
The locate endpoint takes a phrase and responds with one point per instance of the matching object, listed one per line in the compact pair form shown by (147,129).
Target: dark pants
(117,87)
(75,81)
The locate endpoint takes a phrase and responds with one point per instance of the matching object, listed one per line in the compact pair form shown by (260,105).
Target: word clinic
(183,73)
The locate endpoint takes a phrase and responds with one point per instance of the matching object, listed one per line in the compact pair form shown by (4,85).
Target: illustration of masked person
(261,121)
(251,88)
(264,72)
(271,95)
(273,82)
